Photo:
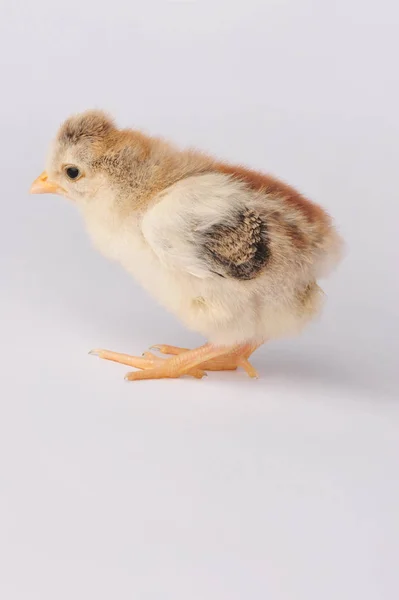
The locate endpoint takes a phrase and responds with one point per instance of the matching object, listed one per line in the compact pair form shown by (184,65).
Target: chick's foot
(237,357)
(147,361)
(184,362)
(223,363)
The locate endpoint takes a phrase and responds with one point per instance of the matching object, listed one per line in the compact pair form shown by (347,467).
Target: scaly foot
(147,361)
(183,361)
(228,362)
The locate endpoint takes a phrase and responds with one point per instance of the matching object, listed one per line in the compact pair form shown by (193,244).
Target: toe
(166,349)
(139,362)
(248,368)
(159,372)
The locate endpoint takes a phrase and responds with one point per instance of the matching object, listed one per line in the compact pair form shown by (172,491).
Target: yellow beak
(42,185)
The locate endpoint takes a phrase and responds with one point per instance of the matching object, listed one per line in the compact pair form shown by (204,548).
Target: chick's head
(89,156)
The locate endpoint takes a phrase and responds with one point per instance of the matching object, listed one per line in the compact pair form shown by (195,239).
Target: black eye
(72,172)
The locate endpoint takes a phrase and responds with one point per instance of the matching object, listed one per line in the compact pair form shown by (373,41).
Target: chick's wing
(208,230)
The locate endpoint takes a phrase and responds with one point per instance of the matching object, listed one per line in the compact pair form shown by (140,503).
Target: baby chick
(236,254)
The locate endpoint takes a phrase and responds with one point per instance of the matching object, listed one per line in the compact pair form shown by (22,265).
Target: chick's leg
(237,357)
(223,363)
(206,358)
(234,358)
(181,364)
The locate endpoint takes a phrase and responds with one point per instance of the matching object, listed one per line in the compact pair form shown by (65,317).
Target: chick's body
(234,253)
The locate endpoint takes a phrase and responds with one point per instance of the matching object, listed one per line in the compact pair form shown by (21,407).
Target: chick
(236,254)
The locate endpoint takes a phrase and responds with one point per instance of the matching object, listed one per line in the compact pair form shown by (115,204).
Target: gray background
(222,489)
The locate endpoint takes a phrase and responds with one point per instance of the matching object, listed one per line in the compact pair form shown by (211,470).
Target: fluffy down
(236,254)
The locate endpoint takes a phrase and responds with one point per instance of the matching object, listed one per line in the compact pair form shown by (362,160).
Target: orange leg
(147,361)
(185,362)
(238,357)
(180,364)
(223,363)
